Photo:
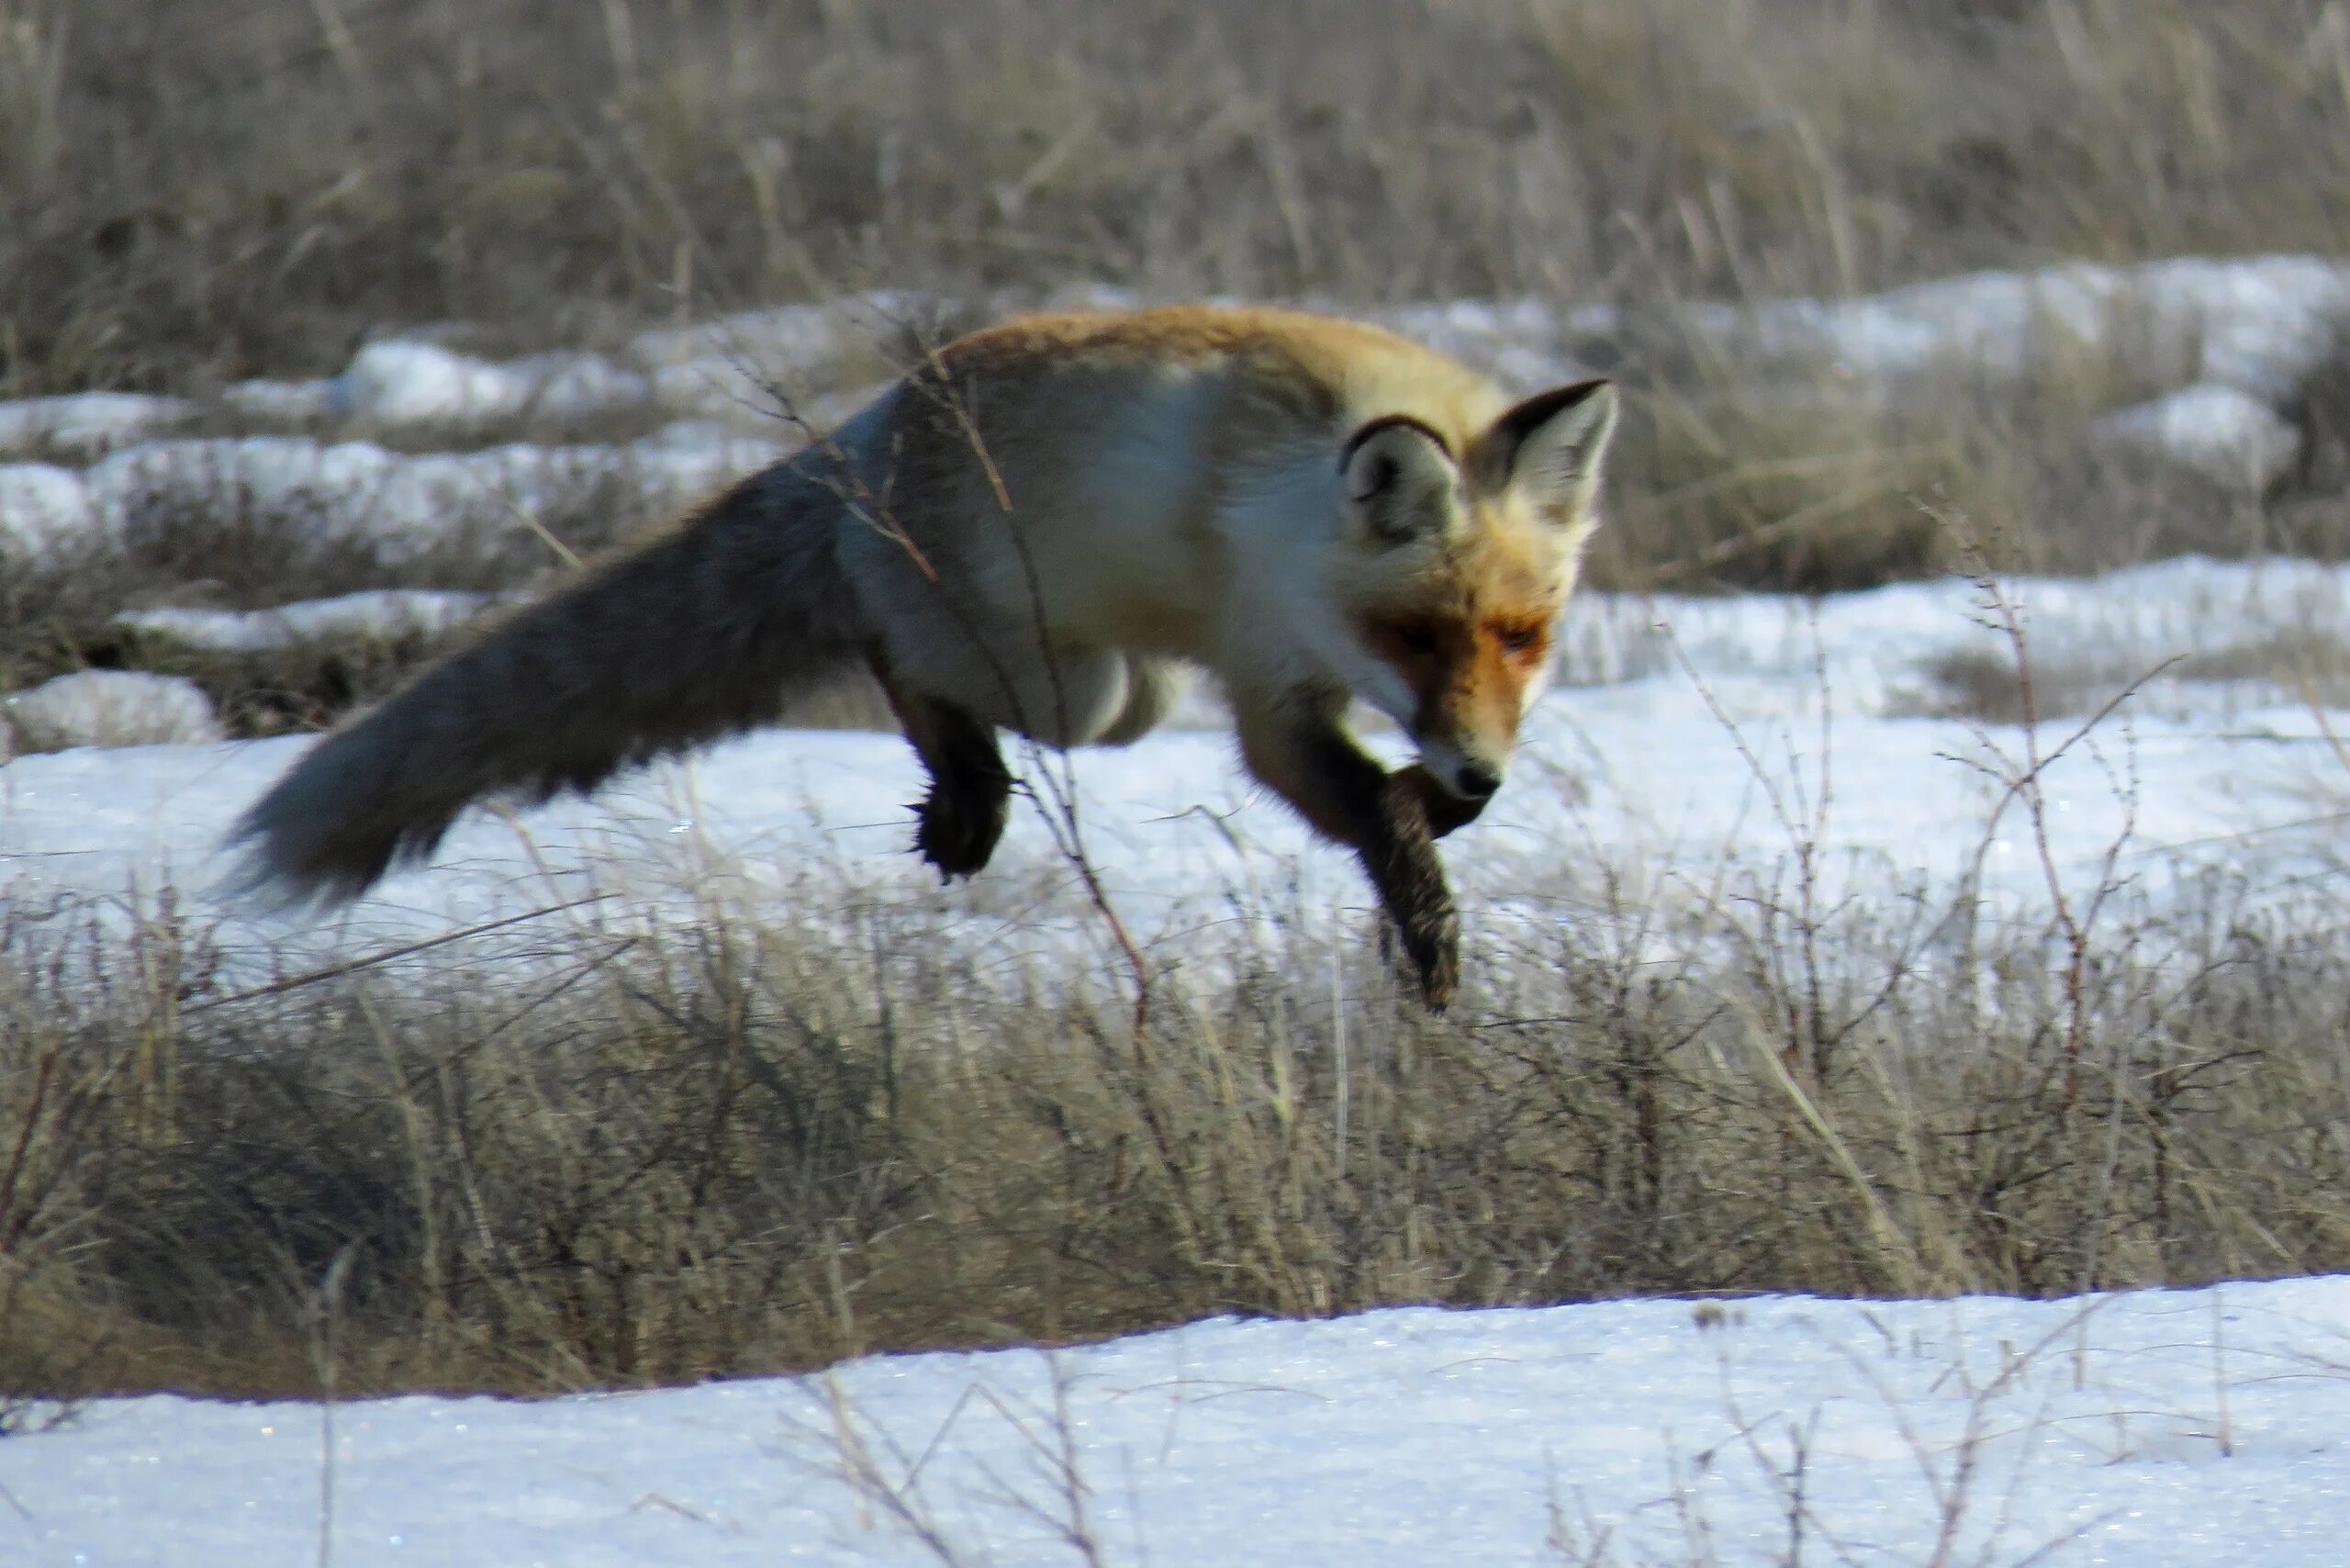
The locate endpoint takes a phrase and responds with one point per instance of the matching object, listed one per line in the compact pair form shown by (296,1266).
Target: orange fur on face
(1473,637)
(1469,675)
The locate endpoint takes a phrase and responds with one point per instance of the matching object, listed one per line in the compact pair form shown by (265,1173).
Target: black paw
(958,833)
(1433,944)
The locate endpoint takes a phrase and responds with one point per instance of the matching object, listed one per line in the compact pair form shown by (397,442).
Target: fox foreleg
(957,823)
(1308,757)
(1446,810)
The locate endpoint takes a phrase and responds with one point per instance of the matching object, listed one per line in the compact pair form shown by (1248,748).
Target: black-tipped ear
(1400,480)
(1552,444)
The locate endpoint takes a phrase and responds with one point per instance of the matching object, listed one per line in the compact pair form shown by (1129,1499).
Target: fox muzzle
(1464,776)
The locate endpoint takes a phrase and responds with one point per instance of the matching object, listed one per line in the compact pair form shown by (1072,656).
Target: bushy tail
(704,631)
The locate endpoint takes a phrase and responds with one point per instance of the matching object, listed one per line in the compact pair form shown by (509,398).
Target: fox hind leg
(959,822)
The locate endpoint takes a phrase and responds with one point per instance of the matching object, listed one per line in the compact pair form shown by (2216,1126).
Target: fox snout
(1467,775)
(1467,681)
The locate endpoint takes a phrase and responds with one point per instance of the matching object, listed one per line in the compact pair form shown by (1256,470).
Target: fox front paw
(1399,853)
(1428,942)
(1446,811)
(958,833)
(1433,944)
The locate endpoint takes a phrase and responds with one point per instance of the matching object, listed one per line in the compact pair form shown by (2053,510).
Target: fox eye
(1521,641)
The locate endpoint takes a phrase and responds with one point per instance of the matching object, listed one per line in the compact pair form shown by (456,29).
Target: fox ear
(1550,445)
(1400,480)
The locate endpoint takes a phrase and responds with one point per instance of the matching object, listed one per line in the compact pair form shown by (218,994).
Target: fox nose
(1477,780)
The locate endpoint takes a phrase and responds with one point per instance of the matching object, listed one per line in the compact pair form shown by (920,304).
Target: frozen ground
(1697,743)
(2206,1428)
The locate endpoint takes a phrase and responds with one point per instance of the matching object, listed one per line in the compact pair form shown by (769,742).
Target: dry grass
(659,1152)
(2291,664)
(670,1152)
(220,189)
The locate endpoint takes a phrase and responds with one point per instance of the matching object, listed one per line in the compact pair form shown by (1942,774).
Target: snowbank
(404,505)
(2164,1429)
(2256,323)
(87,424)
(107,708)
(380,614)
(394,383)
(43,509)
(729,369)
(2221,433)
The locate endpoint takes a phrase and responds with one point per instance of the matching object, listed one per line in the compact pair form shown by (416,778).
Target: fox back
(1282,498)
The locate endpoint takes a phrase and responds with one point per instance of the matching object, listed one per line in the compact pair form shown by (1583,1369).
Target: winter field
(1895,1112)
(1869,735)
(2158,1430)
(1732,742)
(1717,781)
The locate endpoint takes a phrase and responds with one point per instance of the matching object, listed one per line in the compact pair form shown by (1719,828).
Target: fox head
(1458,557)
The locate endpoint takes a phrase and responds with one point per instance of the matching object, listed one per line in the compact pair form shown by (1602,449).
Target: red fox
(1037,531)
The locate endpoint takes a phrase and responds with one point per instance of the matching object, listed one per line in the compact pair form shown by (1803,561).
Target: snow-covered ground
(2208,1427)
(1696,741)
(1695,748)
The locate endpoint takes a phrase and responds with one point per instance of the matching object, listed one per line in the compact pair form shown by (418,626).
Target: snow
(396,382)
(2255,323)
(42,508)
(809,339)
(2161,1429)
(686,459)
(1693,745)
(2260,323)
(1994,320)
(2153,1429)
(379,613)
(86,423)
(266,474)
(280,402)
(2226,435)
(1516,341)
(1871,647)
(403,504)
(722,369)
(107,708)
(1682,722)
